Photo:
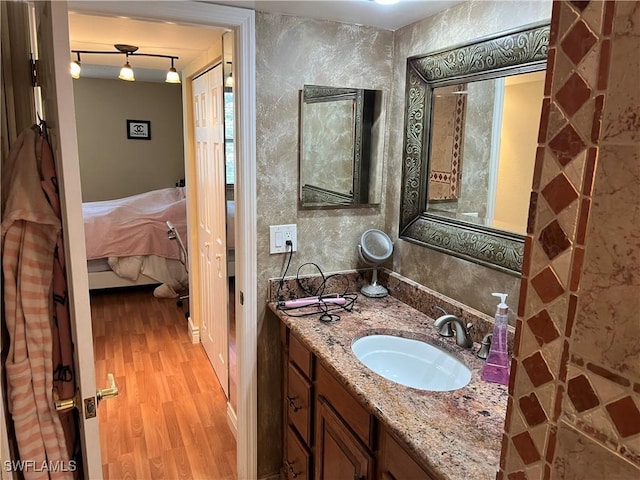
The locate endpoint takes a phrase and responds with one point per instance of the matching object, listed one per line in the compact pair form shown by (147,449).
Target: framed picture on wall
(139,129)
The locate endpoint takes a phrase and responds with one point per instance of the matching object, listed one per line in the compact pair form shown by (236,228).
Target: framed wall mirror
(471,131)
(341,147)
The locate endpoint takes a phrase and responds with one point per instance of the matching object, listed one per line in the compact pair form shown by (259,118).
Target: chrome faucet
(444,323)
(485,345)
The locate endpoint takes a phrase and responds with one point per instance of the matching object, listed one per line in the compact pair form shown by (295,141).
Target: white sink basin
(413,363)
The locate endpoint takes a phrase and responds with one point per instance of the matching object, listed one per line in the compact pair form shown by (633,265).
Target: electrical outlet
(279,235)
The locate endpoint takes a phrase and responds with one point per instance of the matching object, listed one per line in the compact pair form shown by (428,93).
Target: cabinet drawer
(299,355)
(351,411)
(297,462)
(298,401)
(396,464)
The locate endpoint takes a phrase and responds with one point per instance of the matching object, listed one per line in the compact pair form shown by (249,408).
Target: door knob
(109,392)
(90,402)
(64,404)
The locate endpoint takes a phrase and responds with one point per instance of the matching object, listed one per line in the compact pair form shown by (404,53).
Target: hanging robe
(30,230)
(64,379)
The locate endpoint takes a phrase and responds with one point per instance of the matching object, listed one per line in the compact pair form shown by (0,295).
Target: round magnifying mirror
(375,248)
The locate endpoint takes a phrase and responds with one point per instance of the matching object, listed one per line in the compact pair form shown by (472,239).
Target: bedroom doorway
(241,21)
(217,345)
(62,122)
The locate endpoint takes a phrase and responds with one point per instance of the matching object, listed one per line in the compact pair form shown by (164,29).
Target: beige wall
(112,166)
(519,139)
(292,52)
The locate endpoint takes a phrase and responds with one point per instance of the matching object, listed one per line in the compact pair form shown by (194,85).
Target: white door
(211,218)
(51,25)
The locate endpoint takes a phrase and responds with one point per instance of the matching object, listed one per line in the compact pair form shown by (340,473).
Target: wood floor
(169,420)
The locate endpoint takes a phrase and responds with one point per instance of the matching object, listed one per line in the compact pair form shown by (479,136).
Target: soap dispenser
(496,367)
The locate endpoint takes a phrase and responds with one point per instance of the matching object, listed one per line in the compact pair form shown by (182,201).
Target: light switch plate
(278,236)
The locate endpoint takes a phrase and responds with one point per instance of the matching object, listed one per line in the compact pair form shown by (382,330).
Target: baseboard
(194,332)
(232,420)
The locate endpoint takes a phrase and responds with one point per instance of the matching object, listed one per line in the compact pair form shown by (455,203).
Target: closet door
(211,214)
(52,33)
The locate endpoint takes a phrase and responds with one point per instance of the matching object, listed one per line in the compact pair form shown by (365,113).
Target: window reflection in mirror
(483,146)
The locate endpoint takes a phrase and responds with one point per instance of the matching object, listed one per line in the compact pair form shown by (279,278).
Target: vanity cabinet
(298,409)
(329,434)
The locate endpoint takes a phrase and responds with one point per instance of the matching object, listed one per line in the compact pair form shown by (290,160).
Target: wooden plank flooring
(169,420)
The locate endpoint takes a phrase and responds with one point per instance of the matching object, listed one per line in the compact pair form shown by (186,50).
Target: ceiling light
(126,72)
(172,75)
(386,2)
(75,67)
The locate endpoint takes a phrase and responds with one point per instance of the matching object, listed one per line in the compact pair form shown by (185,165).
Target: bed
(127,242)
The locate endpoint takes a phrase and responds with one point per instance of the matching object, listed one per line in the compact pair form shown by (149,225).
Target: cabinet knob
(288,470)
(292,404)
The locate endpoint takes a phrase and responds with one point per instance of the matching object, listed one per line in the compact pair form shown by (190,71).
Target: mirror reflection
(340,146)
(470,126)
(483,144)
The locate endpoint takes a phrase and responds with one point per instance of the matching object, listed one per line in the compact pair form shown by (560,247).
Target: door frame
(242,22)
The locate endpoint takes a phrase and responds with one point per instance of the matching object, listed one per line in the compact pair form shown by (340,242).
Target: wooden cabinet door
(394,463)
(339,455)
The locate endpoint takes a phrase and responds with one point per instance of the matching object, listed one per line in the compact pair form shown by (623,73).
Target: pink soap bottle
(496,367)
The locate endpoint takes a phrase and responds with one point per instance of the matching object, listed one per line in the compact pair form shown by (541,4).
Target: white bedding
(135,225)
(129,237)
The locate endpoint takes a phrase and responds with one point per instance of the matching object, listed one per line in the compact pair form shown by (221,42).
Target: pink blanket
(135,225)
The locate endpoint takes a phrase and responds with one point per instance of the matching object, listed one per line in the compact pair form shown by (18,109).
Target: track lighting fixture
(126,72)
(172,75)
(75,67)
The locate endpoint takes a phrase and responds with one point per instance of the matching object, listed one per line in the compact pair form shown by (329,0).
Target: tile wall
(574,406)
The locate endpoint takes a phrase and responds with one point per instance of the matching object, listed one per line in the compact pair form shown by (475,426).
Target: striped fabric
(29,232)
(63,370)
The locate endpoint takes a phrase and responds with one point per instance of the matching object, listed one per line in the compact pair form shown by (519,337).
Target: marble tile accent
(625,416)
(543,327)
(573,94)
(547,285)
(581,394)
(537,369)
(526,448)
(532,410)
(553,240)
(577,43)
(559,193)
(594,424)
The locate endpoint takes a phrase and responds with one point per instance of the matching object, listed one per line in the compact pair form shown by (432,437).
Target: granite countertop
(458,434)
